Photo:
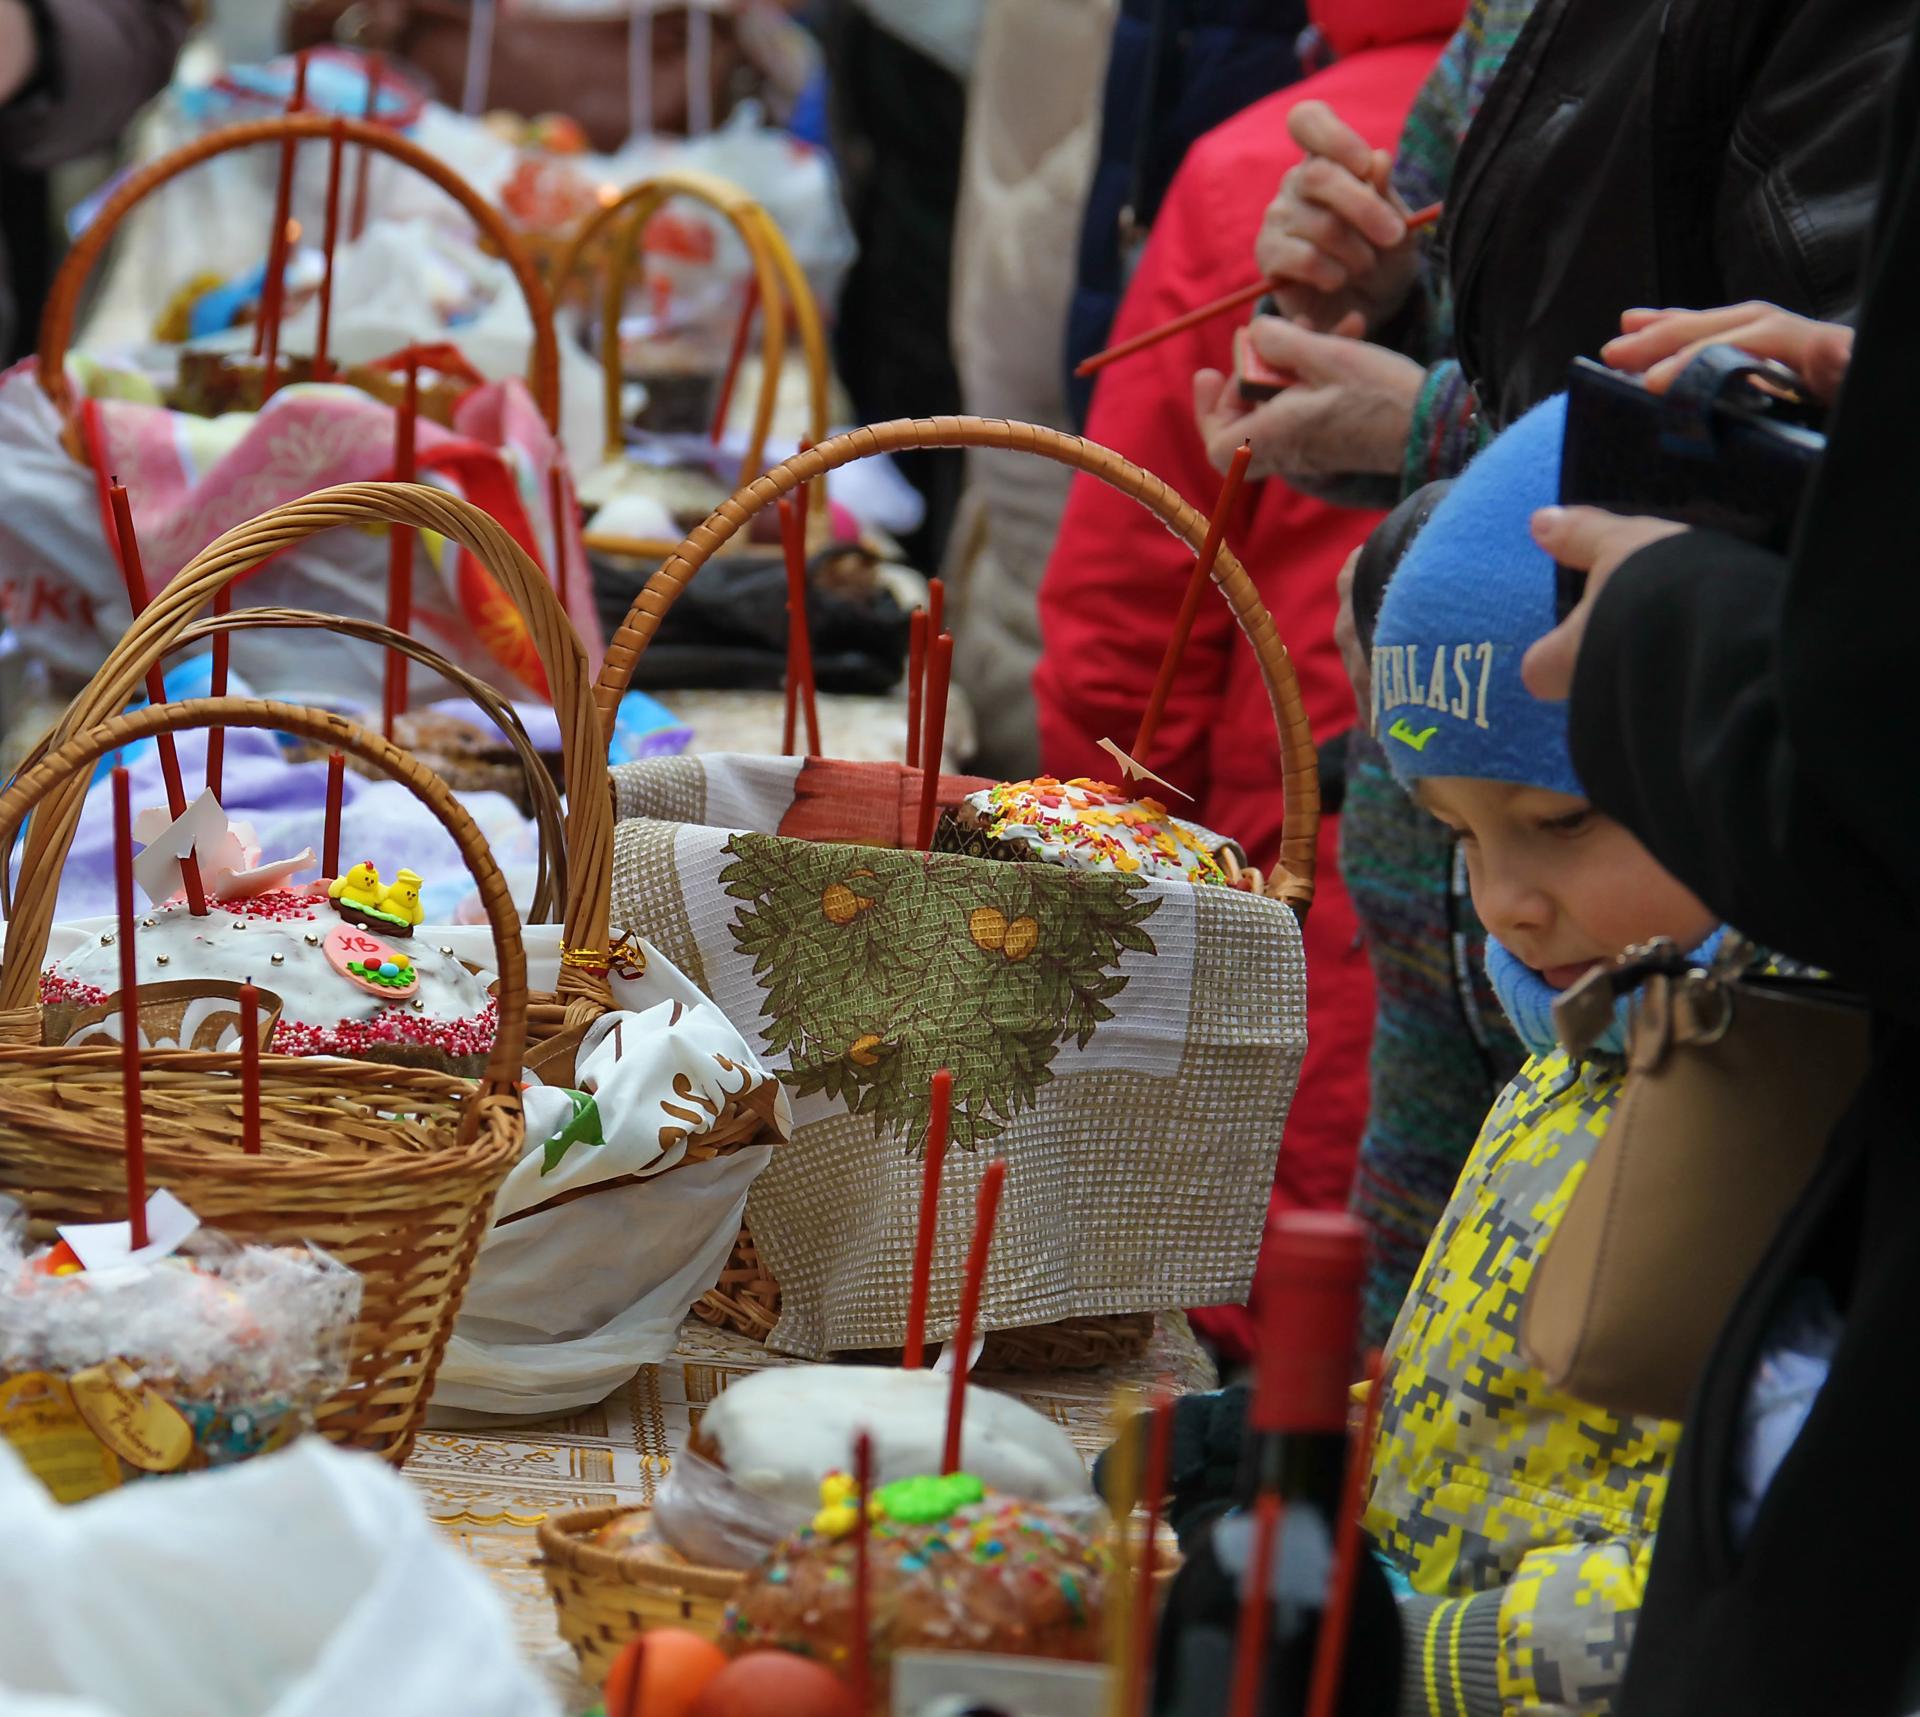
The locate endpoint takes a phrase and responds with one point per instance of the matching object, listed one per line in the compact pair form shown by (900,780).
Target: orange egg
(773,1684)
(673,1668)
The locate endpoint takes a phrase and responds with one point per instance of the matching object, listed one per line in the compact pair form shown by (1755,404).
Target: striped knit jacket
(1522,1519)
(1446,429)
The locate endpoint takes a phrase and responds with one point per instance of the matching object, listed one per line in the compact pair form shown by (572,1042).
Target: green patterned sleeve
(1446,430)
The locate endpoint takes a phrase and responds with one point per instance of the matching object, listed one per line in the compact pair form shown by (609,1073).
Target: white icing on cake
(1088,825)
(779,1432)
(276,940)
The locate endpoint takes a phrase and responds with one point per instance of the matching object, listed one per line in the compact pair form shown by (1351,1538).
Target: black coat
(1662,152)
(1756,722)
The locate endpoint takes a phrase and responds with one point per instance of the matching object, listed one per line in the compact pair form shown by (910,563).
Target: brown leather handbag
(542,61)
(1735,1080)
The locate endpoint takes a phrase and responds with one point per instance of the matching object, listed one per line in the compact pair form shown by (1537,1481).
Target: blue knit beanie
(1470,595)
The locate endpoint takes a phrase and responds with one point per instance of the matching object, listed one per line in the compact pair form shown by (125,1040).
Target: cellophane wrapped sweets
(212,1355)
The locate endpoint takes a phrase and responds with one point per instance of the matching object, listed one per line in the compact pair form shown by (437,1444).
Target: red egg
(774,1684)
(673,1667)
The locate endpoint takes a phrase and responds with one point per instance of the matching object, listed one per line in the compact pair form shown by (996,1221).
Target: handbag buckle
(1583,1011)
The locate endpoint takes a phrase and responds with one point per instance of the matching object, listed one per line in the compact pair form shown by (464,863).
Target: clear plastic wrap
(213,1355)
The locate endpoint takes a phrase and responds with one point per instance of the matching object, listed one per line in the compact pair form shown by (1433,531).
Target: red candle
(916,681)
(249,1069)
(936,606)
(129,1011)
(724,403)
(222,652)
(1140,1641)
(985,1211)
(363,166)
(400,551)
(336,148)
(134,576)
(862,1665)
(934,721)
(1190,603)
(939,1105)
(799,643)
(330,837)
(1330,1650)
(1250,1644)
(266,332)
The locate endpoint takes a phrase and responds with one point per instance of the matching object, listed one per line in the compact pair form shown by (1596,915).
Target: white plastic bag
(304,1584)
(596,1253)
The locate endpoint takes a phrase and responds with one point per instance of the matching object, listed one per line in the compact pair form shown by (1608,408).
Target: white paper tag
(1130,770)
(944,1364)
(109,1245)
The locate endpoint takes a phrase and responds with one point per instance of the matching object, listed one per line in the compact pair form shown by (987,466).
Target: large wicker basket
(581,993)
(747,1298)
(391,1170)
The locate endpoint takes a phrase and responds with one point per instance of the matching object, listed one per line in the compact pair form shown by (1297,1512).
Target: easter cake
(1088,825)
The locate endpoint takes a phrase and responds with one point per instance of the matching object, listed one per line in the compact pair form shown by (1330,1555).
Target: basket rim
(465,1151)
(563,1545)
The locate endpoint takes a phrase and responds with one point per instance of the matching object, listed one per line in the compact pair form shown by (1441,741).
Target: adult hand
(19,51)
(1592,540)
(1661,343)
(1334,241)
(1347,413)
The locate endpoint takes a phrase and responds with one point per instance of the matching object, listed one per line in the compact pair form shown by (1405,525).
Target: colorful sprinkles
(1092,824)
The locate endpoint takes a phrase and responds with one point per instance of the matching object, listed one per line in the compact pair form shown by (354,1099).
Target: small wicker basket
(392,1170)
(602,1598)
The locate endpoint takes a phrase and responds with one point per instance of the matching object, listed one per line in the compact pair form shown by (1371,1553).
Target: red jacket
(1110,590)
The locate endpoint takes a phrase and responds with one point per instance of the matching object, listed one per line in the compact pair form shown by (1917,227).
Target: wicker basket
(746,1301)
(603,1598)
(783,293)
(63,296)
(747,1298)
(391,1170)
(582,993)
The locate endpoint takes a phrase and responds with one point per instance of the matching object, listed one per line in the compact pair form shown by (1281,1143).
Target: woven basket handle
(548,817)
(73,760)
(783,291)
(63,297)
(584,748)
(1299,764)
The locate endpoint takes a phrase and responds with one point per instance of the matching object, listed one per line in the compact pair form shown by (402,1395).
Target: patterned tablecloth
(491,1488)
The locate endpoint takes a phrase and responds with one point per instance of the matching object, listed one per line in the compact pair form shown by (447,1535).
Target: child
(1521,1520)
(1515,1523)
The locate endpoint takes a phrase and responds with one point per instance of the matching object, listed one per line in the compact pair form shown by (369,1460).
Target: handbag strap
(1719,380)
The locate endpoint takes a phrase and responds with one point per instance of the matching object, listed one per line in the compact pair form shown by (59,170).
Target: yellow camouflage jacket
(1522,1519)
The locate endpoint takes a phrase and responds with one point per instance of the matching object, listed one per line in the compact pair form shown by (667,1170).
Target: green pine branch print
(878,968)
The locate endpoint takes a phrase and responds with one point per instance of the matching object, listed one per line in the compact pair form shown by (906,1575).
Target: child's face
(1561,885)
